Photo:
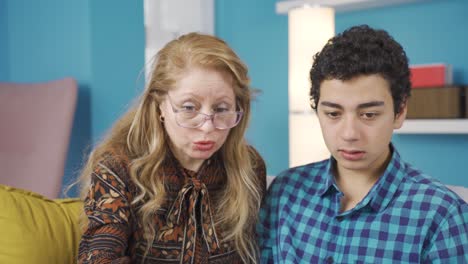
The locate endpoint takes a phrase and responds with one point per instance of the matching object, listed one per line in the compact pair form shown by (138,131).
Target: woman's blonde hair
(141,137)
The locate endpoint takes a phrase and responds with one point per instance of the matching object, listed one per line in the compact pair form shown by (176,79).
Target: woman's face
(207,91)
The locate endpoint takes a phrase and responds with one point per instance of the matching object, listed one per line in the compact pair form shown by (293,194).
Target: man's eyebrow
(330,104)
(370,104)
(360,106)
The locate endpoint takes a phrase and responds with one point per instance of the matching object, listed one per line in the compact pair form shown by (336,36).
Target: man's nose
(350,129)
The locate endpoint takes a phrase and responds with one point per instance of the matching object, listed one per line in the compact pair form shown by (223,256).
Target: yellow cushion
(34,229)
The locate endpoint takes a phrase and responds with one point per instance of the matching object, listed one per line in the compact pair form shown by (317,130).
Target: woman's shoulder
(115,163)
(257,159)
(254,153)
(114,157)
(259,167)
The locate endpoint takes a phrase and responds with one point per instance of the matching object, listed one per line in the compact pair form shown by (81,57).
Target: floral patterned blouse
(184,224)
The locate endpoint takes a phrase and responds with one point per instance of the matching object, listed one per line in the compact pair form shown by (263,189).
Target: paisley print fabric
(184,224)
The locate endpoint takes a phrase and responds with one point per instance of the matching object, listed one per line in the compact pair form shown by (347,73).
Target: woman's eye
(221,109)
(188,108)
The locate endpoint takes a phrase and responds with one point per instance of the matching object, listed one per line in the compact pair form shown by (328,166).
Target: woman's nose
(208,123)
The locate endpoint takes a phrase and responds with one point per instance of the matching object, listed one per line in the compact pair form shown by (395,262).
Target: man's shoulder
(422,186)
(301,177)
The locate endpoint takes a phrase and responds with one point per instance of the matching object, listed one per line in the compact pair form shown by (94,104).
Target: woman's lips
(352,155)
(204,145)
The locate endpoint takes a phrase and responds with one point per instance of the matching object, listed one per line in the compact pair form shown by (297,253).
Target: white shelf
(434,126)
(282,7)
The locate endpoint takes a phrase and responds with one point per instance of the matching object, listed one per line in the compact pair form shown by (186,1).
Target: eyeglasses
(193,118)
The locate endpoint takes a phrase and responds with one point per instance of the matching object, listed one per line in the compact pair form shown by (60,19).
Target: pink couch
(36,121)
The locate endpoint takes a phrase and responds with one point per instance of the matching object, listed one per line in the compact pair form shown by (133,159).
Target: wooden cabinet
(438,103)
(437,111)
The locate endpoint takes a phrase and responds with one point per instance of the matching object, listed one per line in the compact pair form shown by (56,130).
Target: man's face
(357,120)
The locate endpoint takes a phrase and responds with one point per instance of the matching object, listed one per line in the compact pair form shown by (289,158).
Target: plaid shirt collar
(380,194)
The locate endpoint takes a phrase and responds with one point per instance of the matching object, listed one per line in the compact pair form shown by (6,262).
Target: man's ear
(401,116)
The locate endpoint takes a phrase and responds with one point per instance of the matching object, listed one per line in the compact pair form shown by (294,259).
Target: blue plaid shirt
(406,217)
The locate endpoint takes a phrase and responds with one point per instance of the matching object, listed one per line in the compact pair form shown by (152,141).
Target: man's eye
(332,115)
(369,115)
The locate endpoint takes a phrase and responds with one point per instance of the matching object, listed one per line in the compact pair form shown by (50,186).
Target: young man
(364,204)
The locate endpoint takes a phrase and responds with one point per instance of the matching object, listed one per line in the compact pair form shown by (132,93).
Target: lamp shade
(309,30)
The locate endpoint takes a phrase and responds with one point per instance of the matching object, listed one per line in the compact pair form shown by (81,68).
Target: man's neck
(356,183)
(355,186)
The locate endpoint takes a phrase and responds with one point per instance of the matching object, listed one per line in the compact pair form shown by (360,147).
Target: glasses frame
(205,116)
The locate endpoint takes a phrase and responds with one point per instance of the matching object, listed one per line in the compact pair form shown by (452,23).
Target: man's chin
(355,165)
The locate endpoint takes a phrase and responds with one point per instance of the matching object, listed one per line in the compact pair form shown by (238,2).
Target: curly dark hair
(362,50)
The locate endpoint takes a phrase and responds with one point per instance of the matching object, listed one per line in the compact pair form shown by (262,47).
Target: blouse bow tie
(193,196)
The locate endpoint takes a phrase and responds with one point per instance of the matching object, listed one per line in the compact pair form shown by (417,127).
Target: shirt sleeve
(450,242)
(107,207)
(268,224)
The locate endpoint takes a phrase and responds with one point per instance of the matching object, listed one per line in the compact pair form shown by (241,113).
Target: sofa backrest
(38,230)
(36,121)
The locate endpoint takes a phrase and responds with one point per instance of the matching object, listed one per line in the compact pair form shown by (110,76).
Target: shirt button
(329,260)
(339,218)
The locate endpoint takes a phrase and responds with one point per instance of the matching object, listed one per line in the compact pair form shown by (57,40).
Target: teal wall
(4,71)
(260,37)
(117,59)
(99,43)
(432,31)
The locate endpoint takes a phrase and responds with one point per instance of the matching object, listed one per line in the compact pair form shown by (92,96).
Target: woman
(175,181)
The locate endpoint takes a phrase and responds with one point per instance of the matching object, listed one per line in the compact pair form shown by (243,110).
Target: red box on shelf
(431,75)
